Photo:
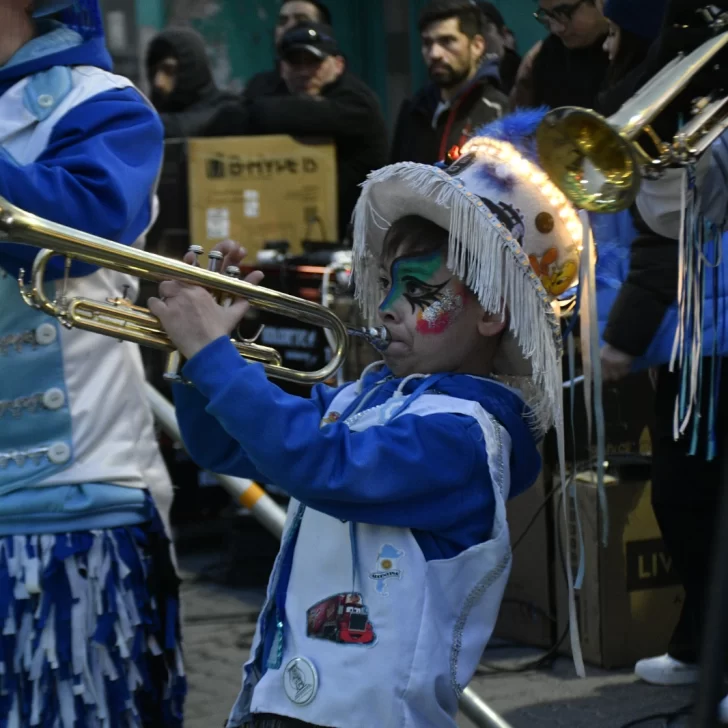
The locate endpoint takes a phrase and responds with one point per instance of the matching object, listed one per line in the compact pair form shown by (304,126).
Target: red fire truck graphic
(341,618)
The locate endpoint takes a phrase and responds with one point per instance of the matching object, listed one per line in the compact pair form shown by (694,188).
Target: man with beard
(183,89)
(465,90)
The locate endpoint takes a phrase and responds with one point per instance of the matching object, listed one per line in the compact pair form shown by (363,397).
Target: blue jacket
(429,474)
(100,163)
(96,172)
(634,308)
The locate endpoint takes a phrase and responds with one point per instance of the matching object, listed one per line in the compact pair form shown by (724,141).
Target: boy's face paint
(438,317)
(435,302)
(429,313)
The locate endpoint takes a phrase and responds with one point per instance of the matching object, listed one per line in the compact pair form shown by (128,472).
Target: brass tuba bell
(598,163)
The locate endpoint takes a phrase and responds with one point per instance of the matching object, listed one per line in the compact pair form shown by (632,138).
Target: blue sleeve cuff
(213,366)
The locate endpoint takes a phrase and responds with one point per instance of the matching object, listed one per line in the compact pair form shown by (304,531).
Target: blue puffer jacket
(615,235)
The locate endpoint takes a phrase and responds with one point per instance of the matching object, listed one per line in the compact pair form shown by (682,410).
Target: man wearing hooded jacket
(89,604)
(183,89)
(465,90)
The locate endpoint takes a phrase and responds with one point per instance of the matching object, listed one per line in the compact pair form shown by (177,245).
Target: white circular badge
(300,681)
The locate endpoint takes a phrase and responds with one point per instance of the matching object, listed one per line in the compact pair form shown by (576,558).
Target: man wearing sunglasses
(569,66)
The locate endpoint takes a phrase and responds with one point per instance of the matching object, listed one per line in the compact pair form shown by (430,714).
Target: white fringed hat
(514,240)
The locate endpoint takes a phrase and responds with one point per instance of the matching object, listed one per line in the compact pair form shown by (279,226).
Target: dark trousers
(685,493)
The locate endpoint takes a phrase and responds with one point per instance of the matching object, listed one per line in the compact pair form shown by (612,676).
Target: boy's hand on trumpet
(191,316)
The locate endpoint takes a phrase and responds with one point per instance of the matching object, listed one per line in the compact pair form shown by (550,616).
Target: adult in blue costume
(638,279)
(88,591)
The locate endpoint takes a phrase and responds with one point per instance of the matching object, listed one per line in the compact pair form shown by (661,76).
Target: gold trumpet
(598,163)
(122,320)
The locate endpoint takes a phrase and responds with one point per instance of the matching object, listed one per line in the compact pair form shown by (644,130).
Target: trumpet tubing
(121,319)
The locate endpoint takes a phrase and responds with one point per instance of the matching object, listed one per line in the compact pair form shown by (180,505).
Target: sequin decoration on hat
(514,240)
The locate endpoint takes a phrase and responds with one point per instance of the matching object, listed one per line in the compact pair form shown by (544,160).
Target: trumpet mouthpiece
(378,336)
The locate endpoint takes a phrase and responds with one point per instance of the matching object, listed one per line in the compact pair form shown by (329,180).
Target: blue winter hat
(643,18)
(83,16)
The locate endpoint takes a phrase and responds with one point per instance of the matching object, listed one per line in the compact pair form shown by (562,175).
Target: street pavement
(219,623)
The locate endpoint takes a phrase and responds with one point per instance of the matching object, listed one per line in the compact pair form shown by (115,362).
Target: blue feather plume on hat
(519,129)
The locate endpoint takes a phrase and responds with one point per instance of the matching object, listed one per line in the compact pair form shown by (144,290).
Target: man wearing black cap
(320,98)
(290,14)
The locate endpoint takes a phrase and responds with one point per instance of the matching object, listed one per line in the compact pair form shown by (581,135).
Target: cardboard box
(630,600)
(260,189)
(628,418)
(527,614)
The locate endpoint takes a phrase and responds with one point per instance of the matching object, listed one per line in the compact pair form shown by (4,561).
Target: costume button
(46,334)
(54,399)
(59,453)
(45,100)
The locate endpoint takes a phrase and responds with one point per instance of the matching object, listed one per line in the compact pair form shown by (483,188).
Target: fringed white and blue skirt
(90,630)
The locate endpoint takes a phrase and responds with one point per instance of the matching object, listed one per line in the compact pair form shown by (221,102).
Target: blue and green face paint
(438,303)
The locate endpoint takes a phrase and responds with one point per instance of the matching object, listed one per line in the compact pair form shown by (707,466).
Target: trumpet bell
(598,163)
(588,160)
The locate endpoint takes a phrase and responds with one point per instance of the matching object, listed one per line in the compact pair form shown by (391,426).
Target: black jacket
(417,140)
(195,103)
(346,112)
(568,76)
(267,83)
(509,65)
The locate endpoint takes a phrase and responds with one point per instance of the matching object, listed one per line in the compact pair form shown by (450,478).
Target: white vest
(400,654)
(72,403)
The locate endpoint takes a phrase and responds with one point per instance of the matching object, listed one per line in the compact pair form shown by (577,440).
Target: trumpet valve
(197,251)
(214,261)
(232,271)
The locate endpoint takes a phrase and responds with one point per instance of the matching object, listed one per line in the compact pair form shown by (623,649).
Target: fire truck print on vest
(343,618)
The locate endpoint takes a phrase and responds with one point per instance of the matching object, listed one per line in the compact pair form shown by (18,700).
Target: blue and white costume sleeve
(88,592)
(399,490)
(81,147)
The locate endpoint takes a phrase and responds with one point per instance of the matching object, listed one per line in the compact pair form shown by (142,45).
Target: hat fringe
(490,262)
